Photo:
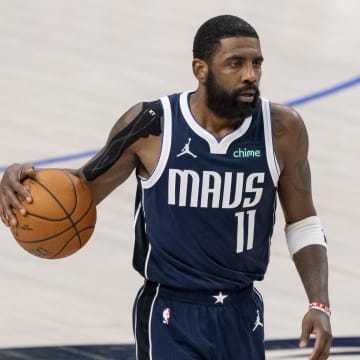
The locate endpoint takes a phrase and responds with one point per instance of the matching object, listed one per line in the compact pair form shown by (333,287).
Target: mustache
(247,88)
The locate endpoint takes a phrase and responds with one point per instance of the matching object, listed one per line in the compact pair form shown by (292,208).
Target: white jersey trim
(270,152)
(137,212)
(165,146)
(147,262)
(216,146)
(150,320)
(148,254)
(135,321)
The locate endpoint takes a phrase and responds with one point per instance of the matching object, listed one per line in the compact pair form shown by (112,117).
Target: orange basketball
(61,218)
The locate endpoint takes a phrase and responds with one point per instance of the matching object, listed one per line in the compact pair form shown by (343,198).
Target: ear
(200,70)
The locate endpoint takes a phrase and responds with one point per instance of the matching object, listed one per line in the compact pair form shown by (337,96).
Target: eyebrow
(239,57)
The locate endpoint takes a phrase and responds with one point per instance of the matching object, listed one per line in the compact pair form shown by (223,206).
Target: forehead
(238,46)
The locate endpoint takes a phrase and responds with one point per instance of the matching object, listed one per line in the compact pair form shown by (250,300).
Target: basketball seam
(68,242)
(61,232)
(68,215)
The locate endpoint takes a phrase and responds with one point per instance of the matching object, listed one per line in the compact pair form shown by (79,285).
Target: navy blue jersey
(205,216)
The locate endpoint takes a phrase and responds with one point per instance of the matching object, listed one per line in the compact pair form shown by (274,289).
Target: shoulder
(289,133)
(141,114)
(285,120)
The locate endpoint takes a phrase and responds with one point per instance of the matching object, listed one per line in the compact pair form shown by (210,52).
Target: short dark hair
(207,38)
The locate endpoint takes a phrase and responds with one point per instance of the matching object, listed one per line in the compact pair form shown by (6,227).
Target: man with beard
(209,164)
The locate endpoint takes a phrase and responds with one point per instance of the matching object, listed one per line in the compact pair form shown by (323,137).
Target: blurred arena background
(69,69)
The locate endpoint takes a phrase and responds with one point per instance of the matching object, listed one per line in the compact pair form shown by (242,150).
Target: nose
(249,74)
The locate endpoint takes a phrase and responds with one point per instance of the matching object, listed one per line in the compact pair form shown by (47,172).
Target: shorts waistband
(207,297)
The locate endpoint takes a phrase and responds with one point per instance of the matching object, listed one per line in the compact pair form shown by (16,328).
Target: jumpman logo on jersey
(257,321)
(186,150)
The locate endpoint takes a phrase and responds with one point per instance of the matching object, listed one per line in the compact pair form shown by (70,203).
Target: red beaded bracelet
(321,307)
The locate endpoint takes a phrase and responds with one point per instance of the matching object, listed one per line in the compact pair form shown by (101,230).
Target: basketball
(61,218)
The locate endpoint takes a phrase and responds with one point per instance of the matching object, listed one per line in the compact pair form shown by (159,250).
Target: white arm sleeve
(303,233)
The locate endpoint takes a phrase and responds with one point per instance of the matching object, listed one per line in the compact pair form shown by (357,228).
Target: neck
(218,126)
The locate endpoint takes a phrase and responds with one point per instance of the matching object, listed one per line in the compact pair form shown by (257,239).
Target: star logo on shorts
(220,298)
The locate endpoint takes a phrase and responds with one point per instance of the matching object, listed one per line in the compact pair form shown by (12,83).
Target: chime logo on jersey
(166,316)
(210,189)
(247,153)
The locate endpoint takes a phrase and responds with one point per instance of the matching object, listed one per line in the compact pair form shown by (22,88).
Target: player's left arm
(304,233)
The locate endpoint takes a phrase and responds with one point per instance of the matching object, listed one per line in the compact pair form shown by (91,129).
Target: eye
(257,64)
(235,63)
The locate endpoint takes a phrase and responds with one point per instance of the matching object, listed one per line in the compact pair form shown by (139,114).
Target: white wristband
(304,233)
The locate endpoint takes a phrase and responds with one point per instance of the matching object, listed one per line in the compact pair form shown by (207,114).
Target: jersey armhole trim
(270,152)
(165,146)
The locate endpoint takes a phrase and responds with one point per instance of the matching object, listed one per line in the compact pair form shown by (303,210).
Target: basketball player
(209,164)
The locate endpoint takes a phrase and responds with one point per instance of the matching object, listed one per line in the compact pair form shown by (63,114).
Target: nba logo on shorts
(166,316)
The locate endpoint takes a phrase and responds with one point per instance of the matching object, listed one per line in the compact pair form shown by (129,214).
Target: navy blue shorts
(190,325)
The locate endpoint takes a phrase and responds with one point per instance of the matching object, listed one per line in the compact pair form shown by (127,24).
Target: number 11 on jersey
(245,219)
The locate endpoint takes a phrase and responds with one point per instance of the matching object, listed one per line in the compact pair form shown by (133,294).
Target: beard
(227,104)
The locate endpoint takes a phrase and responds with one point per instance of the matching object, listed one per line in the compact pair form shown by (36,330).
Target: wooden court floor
(69,69)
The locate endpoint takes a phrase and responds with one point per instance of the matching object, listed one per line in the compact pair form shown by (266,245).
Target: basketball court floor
(69,69)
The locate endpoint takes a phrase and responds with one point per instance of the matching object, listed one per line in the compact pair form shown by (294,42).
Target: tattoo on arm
(148,122)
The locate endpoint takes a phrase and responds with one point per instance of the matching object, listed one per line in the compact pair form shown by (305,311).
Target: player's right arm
(130,146)
(105,171)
